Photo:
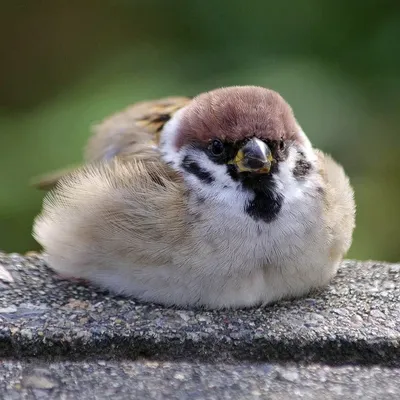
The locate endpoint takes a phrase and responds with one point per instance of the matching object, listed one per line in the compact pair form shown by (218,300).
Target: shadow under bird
(218,201)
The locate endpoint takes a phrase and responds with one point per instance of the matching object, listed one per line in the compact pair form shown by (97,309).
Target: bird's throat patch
(267,202)
(265,206)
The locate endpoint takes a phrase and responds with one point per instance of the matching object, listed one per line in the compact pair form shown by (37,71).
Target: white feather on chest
(233,237)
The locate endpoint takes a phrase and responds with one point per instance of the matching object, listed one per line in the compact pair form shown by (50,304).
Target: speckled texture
(194,381)
(356,319)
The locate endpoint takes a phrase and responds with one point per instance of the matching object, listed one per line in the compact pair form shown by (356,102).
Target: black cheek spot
(191,166)
(302,167)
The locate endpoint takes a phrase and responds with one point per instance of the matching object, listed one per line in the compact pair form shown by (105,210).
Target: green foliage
(65,67)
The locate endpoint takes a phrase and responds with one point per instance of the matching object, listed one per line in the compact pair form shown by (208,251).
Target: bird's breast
(230,238)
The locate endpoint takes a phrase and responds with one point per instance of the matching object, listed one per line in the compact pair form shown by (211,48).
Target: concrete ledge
(356,319)
(142,379)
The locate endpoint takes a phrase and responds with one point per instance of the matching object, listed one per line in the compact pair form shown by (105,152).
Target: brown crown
(235,113)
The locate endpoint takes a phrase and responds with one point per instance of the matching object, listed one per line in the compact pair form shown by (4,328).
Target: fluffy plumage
(188,225)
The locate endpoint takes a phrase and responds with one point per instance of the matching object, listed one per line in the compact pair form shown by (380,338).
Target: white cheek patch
(218,171)
(286,183)
(222,188)
(169,152)
(284,178)
(307,148)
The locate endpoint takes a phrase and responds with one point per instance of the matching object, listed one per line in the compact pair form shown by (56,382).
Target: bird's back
(130,134)
(339,205)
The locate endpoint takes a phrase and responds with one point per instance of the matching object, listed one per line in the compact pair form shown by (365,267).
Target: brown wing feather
(49,180)
(129,131)
(129,134)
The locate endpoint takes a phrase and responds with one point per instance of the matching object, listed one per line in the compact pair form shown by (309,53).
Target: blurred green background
(67,64)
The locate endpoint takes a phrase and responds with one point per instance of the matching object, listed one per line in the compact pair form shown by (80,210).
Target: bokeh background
(67,64)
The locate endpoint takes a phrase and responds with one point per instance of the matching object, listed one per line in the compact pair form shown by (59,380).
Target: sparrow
(216,201)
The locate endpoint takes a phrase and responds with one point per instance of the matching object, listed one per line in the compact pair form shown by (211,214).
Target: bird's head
(237,142)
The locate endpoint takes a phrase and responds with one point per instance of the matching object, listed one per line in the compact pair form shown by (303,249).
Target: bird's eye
(216,147)
(281,145)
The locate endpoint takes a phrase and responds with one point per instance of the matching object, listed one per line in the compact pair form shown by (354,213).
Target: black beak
(254,156)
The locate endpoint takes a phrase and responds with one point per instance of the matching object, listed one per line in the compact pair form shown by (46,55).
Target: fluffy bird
(218,201)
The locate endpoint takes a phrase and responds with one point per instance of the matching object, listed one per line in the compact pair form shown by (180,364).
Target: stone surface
(63,340)
(355,319)
(193,381)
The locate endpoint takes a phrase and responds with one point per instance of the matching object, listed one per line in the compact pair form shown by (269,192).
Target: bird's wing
(48,181)
(112,215)
(132,133)
(339,205)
